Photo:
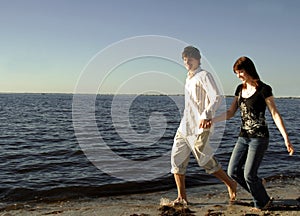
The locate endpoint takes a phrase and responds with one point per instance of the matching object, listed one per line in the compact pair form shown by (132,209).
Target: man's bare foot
(180,201)
(232,191)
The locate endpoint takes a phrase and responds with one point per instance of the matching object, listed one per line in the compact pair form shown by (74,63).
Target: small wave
(75,192)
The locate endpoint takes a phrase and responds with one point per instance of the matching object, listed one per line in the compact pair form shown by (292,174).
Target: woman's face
(242,75)
(191,64)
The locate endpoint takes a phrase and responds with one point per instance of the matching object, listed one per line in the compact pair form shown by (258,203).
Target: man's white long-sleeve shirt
(202,99)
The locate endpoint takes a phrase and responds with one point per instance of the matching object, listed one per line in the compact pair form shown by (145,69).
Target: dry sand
(204,200)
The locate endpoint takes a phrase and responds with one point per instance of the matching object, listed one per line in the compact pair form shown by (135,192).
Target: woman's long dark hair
(246,64)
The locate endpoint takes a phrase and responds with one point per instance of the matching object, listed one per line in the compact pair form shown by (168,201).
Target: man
(202,98)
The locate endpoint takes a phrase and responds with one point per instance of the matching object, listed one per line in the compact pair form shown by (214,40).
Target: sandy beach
(204,200)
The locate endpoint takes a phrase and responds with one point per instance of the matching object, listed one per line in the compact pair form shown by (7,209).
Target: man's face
(190,63)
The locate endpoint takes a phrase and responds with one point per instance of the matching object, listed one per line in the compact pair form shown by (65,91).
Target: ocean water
(49,148)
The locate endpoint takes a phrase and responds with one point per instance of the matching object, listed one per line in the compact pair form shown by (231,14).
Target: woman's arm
(229,113)
(279,123)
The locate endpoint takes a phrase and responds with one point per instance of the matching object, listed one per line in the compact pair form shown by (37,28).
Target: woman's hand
(289,147)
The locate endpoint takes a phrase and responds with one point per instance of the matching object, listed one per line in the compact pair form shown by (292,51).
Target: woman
(252,97)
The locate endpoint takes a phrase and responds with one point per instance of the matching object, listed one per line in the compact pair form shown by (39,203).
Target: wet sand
(204,200)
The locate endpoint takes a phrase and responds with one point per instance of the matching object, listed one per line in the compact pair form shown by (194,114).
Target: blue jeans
(243,165)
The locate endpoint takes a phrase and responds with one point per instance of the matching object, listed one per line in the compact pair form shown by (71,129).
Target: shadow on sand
(277,205)
(217,208)
(179,210)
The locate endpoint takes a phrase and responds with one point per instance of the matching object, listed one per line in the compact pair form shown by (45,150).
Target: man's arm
(213,94)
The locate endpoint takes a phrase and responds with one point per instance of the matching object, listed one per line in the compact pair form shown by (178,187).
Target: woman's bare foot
(263,181)
(232,191)
(266,207)
(254,209)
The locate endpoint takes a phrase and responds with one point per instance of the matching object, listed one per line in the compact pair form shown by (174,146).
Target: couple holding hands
(202,98)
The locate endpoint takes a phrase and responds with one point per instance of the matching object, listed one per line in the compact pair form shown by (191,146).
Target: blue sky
(46,44)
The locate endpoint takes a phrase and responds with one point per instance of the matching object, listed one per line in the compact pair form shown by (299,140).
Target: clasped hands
(205,123)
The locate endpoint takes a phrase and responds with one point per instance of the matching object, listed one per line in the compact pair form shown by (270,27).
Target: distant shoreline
(58,93)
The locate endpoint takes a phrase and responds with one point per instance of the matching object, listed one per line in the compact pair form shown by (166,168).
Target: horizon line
(150,94)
